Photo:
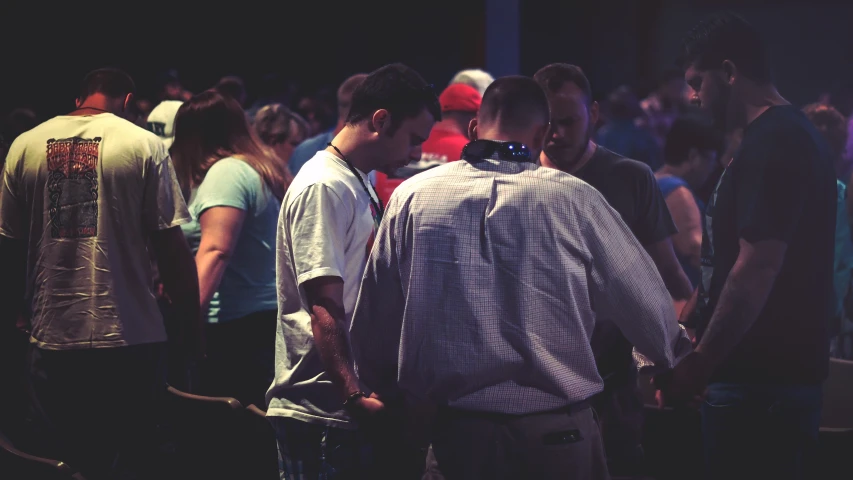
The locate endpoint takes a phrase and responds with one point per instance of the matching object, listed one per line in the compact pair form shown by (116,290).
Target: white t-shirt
(325,229)
(85,192)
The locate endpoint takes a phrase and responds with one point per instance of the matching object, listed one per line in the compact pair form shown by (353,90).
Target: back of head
(623,104)
(726,36)
(554,76)
(274,123)
(514,103)
(345,91)
(831,124)
(690,131)
(110,82)
(211,126)
(474,77)
(396,88)
(232,86)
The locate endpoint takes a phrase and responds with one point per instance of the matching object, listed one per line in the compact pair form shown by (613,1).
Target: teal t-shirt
(248,284)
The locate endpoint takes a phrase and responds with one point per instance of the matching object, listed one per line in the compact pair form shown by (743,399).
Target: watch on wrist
(352,397)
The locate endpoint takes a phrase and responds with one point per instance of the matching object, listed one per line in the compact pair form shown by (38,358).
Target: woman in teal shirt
(234,186)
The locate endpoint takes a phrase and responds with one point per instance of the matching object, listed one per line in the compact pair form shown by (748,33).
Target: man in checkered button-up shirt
(481,293)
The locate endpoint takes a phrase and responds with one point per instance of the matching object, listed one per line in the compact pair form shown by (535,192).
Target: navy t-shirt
(631,189)
(780,186)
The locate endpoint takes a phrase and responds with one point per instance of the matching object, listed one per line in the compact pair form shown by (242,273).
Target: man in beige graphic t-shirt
(81,197)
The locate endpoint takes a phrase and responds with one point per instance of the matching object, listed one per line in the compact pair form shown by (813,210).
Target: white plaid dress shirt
(485,281)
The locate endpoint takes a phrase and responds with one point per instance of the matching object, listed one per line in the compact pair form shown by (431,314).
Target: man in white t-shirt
(326,229)
(81,197)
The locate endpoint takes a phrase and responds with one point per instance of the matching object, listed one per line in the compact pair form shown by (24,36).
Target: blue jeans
(308,451)
(761,431)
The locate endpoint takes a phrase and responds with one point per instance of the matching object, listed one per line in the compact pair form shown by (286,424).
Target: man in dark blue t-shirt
(765,297)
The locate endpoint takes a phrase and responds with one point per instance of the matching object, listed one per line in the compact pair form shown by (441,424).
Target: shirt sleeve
(378,319)
(164,206)
(627,289)
(653,220)
(771,188)
(229,183)
(317,229)
(10,206)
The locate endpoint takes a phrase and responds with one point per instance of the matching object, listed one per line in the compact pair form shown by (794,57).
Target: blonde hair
(210,127)
(273,124)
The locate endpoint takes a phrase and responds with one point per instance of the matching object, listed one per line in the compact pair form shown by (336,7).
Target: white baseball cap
(474,77)
(161,120)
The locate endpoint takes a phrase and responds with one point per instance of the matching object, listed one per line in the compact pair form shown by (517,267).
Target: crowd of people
(461,283)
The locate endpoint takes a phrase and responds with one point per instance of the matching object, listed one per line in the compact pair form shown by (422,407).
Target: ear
(127,102)
(472,129)
(730,71)
(380,121)
(594,111)
(77,102)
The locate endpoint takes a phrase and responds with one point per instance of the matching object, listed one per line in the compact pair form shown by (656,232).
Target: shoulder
(311,145)
(620,166)
(670,183)
(232,166)
(135,138)
(322,169)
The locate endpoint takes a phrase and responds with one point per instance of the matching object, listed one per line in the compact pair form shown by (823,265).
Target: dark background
(48,48)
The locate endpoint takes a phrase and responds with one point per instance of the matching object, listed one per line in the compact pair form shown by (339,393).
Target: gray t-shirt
(86,192)
(326,229)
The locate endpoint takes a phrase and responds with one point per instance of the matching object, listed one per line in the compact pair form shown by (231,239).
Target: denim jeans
(761,431)
(308,451)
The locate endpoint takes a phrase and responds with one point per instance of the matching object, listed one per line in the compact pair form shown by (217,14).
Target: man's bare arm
(328,323)
(744,294)
(676,281)
(180,281)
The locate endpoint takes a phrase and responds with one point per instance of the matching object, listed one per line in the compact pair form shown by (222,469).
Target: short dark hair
(515,100)
(726,36)
(112,82)
(691,130)
(231,86)
(552,78)
(396,88)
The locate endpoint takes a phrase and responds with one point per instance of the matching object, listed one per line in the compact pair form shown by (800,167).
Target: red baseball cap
(460,98)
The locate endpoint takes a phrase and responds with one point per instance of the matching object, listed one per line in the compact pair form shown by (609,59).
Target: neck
(759,99)
(451,125)
(96,103)
(342,122)
(350,141)
(546,161)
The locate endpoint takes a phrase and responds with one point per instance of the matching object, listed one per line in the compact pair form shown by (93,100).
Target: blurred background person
(309,147)
(833,126)
(690,157)
(664,104)
(623,132)
(234,87)
(16,122)
(474,77)
(234,185)
(282,130)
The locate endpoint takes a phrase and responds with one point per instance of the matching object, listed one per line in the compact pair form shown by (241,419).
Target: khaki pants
(558,445)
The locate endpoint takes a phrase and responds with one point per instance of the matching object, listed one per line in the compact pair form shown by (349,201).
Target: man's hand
(685,384)
(364,409)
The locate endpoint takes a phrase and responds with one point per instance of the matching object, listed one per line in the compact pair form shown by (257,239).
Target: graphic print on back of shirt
(72,186)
